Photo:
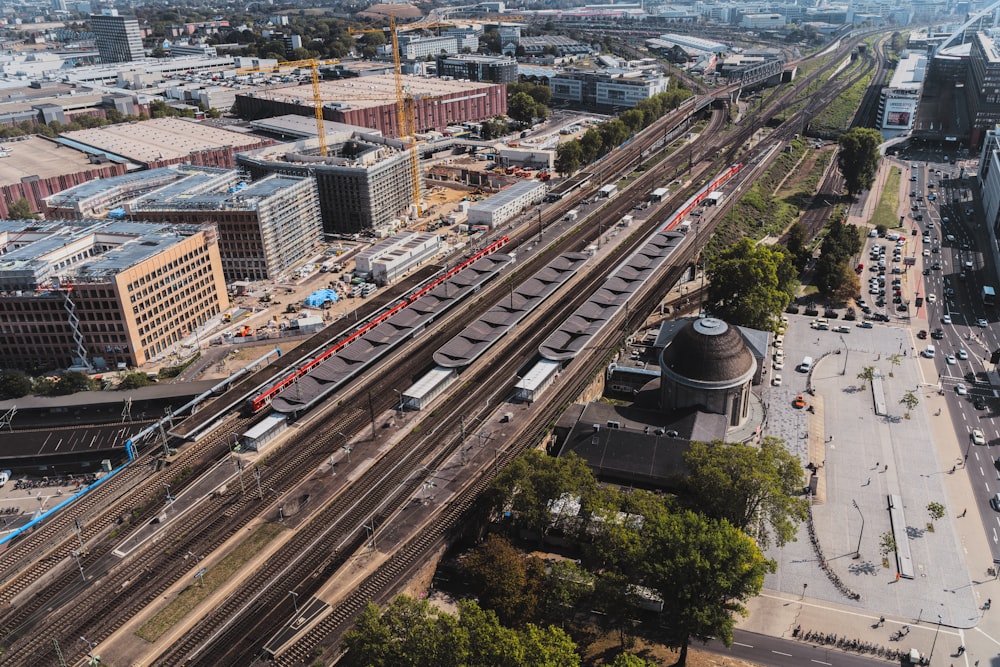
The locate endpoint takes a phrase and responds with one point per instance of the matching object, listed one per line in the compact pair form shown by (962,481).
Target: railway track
(387,578)
(198,524)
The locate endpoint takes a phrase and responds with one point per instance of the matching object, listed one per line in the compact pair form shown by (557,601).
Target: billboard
(898,118)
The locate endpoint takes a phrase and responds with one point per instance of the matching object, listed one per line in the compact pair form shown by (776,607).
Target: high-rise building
(118,39)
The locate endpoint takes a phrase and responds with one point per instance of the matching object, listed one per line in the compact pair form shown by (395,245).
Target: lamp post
(857,552)
(295,600)
(347,450)
(934,643)
(170,498)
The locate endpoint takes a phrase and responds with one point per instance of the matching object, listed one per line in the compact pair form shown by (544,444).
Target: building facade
(363,183)
(898,101)
(504,205)
(117,37)
(100,293)
(606,88)
(265,228)
(983,86)
(492,69)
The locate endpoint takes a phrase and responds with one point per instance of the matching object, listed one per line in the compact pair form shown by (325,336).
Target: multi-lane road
(954,272)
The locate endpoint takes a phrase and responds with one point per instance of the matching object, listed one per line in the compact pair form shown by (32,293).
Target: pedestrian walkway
(865,458)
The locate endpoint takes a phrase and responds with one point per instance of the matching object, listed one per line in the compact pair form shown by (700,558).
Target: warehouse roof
(372,91)
(39,157)
(160,139)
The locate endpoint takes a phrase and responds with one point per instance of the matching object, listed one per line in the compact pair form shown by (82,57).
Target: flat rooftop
(304,126)
(373,91)
(39,157)
(160,139)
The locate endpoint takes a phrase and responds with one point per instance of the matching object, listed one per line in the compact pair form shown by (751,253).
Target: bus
(989,295)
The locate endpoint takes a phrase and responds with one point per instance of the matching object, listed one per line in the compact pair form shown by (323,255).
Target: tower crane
(405,108)
(313,64)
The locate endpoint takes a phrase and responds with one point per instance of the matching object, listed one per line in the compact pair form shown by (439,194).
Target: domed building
(708,366)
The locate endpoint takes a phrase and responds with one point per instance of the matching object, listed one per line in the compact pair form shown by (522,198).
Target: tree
(529,485)
(834,271)
(505,580)
(895,359)
(134,380)
(935,510)
(704,569)
(72,382)
(866,375)
(756,489)
(14,384)
(569,157)
(910,400)
(521,107)
(592,145)
(797,244)
(21,210)
(413,633)
(858,158)
(750,284)
(886,544)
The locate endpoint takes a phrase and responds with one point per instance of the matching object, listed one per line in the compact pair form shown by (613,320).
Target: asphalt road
(775,652)
(957,291)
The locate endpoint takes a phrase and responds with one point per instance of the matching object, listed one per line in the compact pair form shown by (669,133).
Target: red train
(263,399)
(699,196)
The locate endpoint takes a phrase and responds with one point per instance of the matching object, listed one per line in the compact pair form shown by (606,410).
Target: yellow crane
(313,65)
(405,108)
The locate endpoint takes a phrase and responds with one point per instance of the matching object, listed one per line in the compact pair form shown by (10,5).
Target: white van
(929,351)
(806,365)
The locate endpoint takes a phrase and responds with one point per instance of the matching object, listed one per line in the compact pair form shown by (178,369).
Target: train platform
(65,450)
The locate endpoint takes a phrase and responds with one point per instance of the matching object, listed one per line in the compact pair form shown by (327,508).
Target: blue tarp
(319,297)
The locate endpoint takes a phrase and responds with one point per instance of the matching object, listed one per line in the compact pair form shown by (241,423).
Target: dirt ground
(604,651)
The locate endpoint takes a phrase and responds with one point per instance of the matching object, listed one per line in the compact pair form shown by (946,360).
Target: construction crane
(313,64)
(405,108)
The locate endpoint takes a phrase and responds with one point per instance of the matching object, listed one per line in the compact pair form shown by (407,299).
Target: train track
(197,524)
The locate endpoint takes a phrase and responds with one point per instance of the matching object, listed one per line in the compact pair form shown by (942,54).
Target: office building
(364,183)
(117,37)
(506,204)
(265,228)
(99,293)
(492,69)
(622,88)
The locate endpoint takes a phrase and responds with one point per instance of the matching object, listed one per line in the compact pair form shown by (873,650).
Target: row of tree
(15,384)
(698,552)
(600,140)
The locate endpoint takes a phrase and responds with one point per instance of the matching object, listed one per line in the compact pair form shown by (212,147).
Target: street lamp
(934,643)
(347,450)
(76,555)
(857,552)
(295,600)
(170,498)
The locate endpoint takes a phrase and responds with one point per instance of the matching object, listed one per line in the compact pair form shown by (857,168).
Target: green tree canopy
(630,660)
(569,157)
(750,284)
(521,107)
(134,380)
(835,276)
(756,489)
(797,244)
(529,486)
(21,210)
(14,384)
(858,158)
(412,633)
(705,569)
(505,580)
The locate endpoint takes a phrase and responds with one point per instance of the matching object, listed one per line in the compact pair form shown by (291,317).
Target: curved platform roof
(344,365)
(626,279)
(475,339)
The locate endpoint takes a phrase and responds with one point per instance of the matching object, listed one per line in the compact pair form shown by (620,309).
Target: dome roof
(708,350)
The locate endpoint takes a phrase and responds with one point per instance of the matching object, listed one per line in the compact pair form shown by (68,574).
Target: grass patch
(213,579)
(835,118)
(888,203)
(760,212)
